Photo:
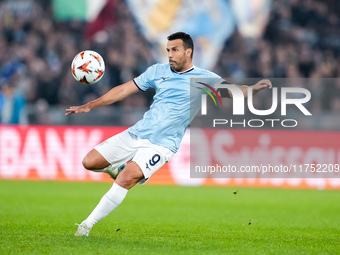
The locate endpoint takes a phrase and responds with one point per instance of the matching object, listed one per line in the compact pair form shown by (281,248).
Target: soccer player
(153,140)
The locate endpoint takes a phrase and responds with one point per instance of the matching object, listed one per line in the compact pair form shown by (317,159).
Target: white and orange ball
(88,67)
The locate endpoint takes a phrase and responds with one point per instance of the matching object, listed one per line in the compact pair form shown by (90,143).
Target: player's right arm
(114,95)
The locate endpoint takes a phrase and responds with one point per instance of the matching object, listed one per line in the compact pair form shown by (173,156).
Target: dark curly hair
(186,38)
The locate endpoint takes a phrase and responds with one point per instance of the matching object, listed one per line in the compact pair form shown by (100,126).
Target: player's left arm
(262,84)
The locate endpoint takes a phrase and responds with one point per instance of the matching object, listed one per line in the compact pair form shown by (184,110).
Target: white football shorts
(125,147)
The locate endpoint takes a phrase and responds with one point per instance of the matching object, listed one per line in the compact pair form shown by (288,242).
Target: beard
(178,67)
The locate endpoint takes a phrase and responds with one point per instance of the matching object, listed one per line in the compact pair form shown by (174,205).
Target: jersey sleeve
(146,79)
(214,79)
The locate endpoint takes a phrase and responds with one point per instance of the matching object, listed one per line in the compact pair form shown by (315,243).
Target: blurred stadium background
(237,39)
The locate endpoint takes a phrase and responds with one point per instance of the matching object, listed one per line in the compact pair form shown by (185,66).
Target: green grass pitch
(39,217)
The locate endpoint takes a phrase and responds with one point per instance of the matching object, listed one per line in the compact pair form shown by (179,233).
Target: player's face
(179,58)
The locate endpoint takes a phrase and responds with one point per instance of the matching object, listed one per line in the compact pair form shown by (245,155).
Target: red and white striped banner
(56,153)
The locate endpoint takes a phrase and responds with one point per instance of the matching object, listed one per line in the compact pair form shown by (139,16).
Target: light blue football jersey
(169,115)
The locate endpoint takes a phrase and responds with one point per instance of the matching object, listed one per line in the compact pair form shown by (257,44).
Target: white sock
(107,204)
(105,170)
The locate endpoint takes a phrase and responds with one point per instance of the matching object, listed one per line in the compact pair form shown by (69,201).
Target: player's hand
(262,84)
(77,109)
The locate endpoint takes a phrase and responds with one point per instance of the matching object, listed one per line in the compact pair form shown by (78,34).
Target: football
(88,67)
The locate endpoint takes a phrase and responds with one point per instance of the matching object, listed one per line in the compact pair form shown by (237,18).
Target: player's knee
(130,176)
(94,161)
(88,163)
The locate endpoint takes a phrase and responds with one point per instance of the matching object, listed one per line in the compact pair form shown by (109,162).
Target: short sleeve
(213,75)
(146,79)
